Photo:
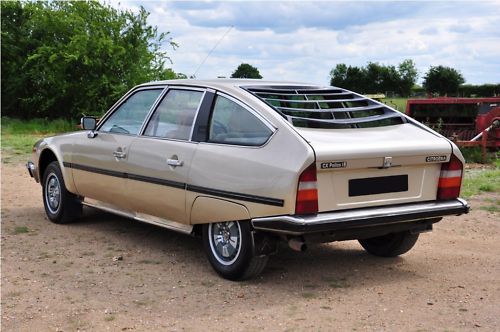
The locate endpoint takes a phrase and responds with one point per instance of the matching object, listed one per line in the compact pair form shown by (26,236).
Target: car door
(99,161)
(160,159)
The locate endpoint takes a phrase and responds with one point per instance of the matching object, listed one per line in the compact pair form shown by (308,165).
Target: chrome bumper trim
(32,170)
(360,218)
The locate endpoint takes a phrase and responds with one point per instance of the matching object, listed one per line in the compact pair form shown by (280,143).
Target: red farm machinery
(467,121)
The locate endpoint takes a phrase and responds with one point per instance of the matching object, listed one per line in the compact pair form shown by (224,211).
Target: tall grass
(477,181)
(18,136)
(475,155)
(36,126)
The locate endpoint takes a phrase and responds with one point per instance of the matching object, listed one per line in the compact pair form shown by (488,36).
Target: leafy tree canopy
(246,71)
(62,59)
(442,80)
(376,78)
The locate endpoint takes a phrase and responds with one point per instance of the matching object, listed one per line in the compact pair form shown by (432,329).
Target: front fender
(60,149)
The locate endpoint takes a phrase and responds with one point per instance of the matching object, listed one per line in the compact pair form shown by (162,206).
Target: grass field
(19,136)
(397,103)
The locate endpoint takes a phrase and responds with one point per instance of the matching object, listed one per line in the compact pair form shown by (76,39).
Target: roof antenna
(217,44)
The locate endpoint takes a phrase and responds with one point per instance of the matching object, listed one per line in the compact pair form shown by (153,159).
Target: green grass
(308,295)
(494,207)
(18,136)
(36,126)
(20,230)
(478,181)
(397,103)
(336,282)
(475,155)
(109,318)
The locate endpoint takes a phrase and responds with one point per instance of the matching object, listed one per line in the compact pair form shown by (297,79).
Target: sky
(303,40)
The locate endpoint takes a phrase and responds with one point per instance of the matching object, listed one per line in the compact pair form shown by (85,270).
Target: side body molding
(209,209)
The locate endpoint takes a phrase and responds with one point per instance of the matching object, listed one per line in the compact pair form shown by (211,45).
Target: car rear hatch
(367,154)
(364,167)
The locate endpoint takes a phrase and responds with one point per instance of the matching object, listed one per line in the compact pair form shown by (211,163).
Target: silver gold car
(247,163)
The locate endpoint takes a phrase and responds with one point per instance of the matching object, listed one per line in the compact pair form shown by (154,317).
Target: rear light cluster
(450,179)
(307,192)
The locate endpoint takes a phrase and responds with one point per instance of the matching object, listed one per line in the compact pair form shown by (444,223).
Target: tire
(61,206)
(230,250)
(390,245)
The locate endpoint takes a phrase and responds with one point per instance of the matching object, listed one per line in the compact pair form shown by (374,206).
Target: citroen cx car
(247,163)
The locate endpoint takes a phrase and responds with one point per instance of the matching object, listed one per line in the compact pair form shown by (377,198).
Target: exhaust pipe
(297,244)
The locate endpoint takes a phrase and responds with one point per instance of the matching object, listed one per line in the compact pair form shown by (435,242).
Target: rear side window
(174,116)
(129,116)
(233,124)
(326,107)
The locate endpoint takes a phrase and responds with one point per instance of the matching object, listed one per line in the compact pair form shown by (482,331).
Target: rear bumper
(360,218)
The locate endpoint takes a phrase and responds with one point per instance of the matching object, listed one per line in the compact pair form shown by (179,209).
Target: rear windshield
(317,107)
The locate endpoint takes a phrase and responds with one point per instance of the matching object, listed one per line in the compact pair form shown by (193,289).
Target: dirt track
(64,278)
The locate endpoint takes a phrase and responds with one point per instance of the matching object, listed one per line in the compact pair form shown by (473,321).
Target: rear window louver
(315,107)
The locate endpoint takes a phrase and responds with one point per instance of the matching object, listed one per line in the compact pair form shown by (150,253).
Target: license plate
(378,185)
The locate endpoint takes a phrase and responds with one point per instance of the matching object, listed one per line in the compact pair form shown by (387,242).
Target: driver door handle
(119,154)
(175,162)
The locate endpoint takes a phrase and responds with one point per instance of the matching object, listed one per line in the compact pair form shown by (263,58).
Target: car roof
(228,83)
(336,108)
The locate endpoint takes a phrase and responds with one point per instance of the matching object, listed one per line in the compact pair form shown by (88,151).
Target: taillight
(307,192)
(450,179)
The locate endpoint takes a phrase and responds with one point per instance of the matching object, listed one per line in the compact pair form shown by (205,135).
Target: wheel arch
(47,156)
(207,209)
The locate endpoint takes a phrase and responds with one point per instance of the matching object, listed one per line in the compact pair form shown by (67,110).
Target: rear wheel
(230,249)
(61,206)
(390,245)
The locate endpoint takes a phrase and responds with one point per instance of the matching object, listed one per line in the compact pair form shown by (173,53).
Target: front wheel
(230,250)
(61,206)
(390,245)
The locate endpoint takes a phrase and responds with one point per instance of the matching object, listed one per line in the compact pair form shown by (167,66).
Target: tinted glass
(174,116)
(130,115)
(233,124)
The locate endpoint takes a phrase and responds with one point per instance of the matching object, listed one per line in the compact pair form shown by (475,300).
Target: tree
(350,78)
(338,75)
(442,80)
(375,78)
(246,71)
(61,59)
(408,75)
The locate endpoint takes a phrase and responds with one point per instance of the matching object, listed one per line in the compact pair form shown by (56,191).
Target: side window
(233,124)
(174,116)
(129,116)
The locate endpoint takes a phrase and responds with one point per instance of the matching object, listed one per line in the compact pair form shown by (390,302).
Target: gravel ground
(110,273)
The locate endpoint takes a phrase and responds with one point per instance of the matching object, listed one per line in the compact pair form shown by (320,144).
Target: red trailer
(467,121)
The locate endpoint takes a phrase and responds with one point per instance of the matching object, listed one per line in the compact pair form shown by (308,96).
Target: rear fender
(208,209)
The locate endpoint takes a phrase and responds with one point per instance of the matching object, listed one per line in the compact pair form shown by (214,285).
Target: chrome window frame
(158,102)
(250,109)
(122,100)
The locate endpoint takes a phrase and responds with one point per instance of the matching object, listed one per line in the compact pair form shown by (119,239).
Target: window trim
(157,104)
(248,108)
(123,100)
(259,117)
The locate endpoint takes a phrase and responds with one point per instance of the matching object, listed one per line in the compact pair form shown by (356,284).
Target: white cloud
(303,41)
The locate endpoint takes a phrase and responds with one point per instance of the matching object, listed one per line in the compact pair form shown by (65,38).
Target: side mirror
(89,123)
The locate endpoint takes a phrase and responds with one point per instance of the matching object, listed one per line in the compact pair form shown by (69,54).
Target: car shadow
(340,265)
